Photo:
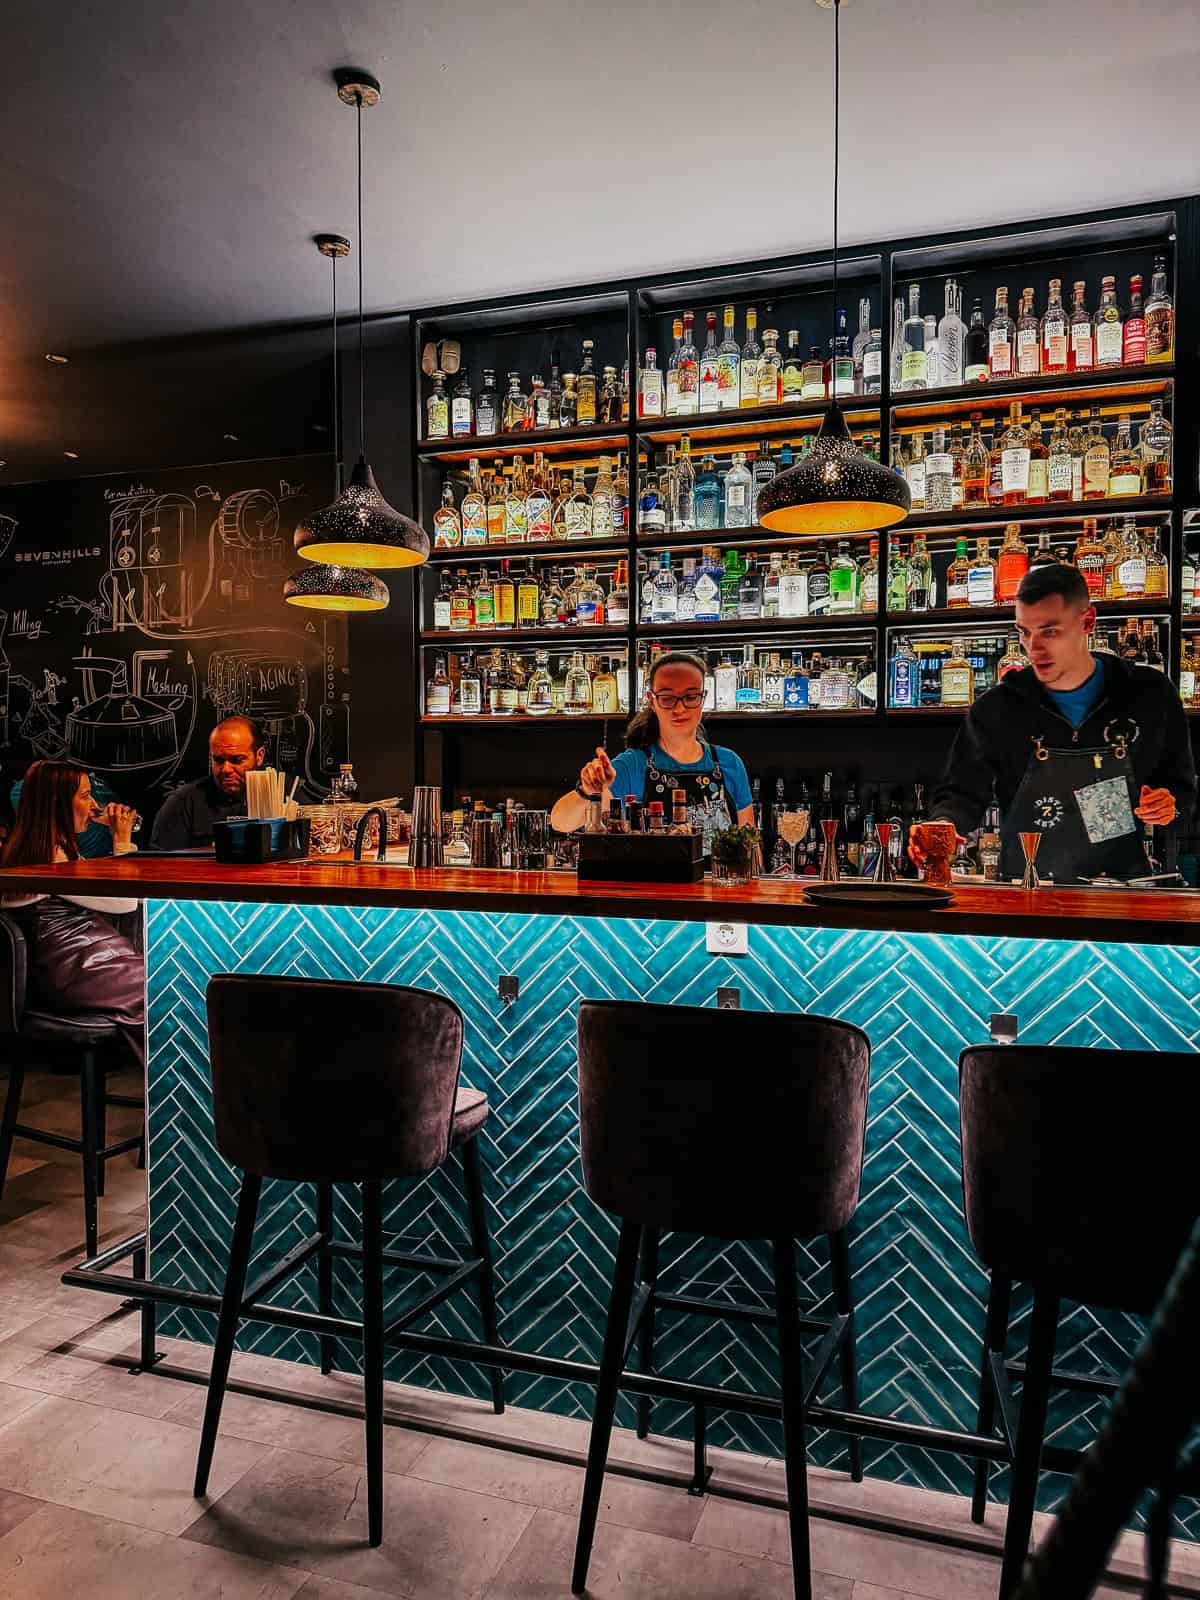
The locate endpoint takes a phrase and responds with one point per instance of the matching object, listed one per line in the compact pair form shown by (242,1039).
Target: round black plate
(883,895)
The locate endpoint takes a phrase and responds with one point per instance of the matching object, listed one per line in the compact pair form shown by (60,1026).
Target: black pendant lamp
(359,528)
(320,586)
(836,488)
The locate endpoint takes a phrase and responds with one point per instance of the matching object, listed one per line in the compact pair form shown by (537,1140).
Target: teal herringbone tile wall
(920,998)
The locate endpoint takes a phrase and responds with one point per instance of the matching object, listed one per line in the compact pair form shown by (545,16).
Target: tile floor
(96,1469)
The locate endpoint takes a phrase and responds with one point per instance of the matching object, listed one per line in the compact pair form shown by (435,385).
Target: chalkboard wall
(136,612)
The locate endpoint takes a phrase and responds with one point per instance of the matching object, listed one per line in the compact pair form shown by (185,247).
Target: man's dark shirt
(186,817)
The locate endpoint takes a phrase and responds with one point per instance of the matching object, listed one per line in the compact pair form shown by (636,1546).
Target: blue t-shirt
(1076,704)
(630,768)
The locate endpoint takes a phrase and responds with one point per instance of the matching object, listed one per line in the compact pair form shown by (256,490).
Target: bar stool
(1079,1179)
(324,1082)
(81,1040)
(733,1125)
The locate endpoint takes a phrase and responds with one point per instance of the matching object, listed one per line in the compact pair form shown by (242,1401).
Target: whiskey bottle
(1156,451)
(975,365)
(577,694)
(1096,459)
(1133,335)
(447,526)
(1043,555)
(1058,459)
(981,576)
(1001,339)
(474,508)
(1038,462)
(1029,353)
(1156,567)
(1014,447)
(1013,660)
(587,399)
(1160,317)
(975,467)
(1081,348)
(956,577)
(1130,579)
(729,360)
(751,361)
(958,677)
(1077,439)
(1107,323)
(1054,332)
(1125,467)
(437,410)
(1089,559)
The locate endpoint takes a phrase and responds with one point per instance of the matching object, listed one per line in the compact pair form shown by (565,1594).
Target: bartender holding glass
(1083,749)
(667,749)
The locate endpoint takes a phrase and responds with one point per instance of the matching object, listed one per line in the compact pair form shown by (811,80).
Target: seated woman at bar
(667,748)
(78,962)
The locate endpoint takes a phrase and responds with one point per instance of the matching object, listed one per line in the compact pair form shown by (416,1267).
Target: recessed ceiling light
(59,361)
(232,437)
(71,455)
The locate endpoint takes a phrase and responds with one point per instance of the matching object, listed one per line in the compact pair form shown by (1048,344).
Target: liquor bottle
(920,576)
(710,390)
(939,475)
(706,591)
(725,682)
(861,339)
(1001,339)
(750,591)
(1058,459)
(539,404)
(739,512)
(1054,331)
(1077,439)
(497,497)
(577,691)
(897,578)
(554,393)
(687,372)
(952,338)
(1130,579)
(474,508)
(1029,352)
(1096,460)
(1013,660)
(462,418)
(763,469)
(708,495)
(795,684)
(620,497)
(1114,551)
(437,409)
(1155,447)
(577,509)
(516,507)
(553,602)
(1014,445)
(995,450)
(447,526)
(914,471)
(774,680)
(487,409)
(1107,324)
(539,510)
(586,388)
(868,579)
(975,366)
(1038,462)
(469,700)
(819,575)
(539,691)
(957,461)
(1081,348)
(872,363)
(605,690)
(958,677)
(956,577)
(461,610)
(729,360)
(683,518)
(1189,670)
(1043,555)
(515,411)
(529,598)
(650,386)
(933,358)
(912,362)
(1011,565)
(441,602)
(610,402)
(1160,317)
(1187,579)
(1125,466)
(843,581)
(812,377)
(1133,335)
(770,591)
(685,607)
(792,376)
(664,598)
(1156,567)
(672,378)
(903,678)
(793,587)
(841,375)
(837,686)
(981,576)
(751,361)
(731,586)
(568,405)
(770,370)
(504,599)
(438,690)
(975,467)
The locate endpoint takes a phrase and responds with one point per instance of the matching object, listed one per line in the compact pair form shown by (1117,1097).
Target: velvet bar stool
(1079,1179)
(324,1082)
(745,1125)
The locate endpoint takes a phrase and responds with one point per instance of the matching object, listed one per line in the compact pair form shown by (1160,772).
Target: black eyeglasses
(691,698)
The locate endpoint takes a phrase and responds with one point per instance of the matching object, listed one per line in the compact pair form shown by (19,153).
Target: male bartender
(235,747)
(1083,749)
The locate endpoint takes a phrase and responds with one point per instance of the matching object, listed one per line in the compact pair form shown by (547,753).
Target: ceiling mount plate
(356,86)
(828,5)
(332,244)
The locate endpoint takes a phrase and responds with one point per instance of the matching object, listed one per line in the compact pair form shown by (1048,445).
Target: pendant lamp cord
(837,80)
(362,403)
(337,403)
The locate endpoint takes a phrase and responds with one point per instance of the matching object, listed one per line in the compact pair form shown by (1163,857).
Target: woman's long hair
(643,729)
(45,816)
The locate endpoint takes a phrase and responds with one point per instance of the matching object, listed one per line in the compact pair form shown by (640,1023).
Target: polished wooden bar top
(1149,916)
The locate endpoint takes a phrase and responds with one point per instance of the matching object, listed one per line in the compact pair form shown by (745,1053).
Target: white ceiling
(164,165)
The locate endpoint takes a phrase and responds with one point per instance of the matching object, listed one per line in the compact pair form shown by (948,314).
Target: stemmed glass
(792,827)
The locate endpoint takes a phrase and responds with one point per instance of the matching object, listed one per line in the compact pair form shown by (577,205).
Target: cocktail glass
(936,841)
(792,828)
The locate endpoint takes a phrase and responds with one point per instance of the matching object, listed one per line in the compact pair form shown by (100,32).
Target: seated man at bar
(235,746)
(1088,751)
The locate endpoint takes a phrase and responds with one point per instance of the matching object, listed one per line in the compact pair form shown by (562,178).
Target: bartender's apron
(707,802)
(1081,802)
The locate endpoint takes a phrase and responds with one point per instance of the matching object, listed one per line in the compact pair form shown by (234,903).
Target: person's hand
(1156,806)
(597,774)
(120,820)
(917,856)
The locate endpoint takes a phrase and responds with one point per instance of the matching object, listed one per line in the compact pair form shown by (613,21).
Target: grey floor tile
(14,1508)
(439,1543)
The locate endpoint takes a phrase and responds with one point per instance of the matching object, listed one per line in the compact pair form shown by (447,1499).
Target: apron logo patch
(1048,811)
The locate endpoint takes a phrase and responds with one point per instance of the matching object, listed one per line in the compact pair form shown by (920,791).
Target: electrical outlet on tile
(727,938)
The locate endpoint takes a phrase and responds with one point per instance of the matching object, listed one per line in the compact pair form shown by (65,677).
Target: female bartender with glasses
(667,749)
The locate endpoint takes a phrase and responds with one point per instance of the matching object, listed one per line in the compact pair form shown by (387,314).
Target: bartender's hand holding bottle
(121,820)
(597,774)
(1155,806)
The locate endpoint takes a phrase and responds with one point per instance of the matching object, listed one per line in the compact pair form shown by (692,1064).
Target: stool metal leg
(607,1386)
(995,1338)
(372,1277)
(482,1248)
(101,1126)
(648,1274)
(843,1299)
(1031,1434)
(227,1323)
(791,1361)
(325,1274)
(12,1110)
(90,1090)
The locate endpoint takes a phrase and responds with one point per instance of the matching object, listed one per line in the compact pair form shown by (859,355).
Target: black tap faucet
(360,832)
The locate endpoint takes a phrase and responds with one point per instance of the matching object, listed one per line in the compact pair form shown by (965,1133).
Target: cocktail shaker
(425,845)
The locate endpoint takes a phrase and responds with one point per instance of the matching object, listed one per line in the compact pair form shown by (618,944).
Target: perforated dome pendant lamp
(836,488)
(359,528)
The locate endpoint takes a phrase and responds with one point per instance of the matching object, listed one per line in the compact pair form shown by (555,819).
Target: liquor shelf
(585,549)
(758,536)
(711,427)
(860,622)
(552,441)
(921,407)
(1040,511)
(579,637)
(984,614)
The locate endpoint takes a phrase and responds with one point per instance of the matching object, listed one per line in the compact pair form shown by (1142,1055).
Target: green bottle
(731,586)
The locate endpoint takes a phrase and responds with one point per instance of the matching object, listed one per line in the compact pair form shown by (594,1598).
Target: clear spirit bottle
(872,363)
(837,686)
(1125,467)
(751,361)
(469,700)
(952,338)
(933,356)
(1029,345)
(725,684)
(664,600)
(687,372)
(1081,347)
(762,471)
(578,509)
(462,410)
(914,470)
(795,684)
(770,592)
(708,495)
(710,386)
(770,371)
(447,525)
(748,694)
(438,691)
(1055,338)
(602,499)
(861,339)
(437,409)
(706,591)
(957,459)
(683,518)
(577,691)
(1130,578)
(650,386)
(793,587)
(672,382)
(1108,326)
(739,512)
(539,701)
(750,591)
(729,361)
(516,507)
(897,578)
(1002,335)
(539,508)
(539,404)
(818,575)
(589,599)
(920,576)
(1160,317)
(441,602)
(685,608)
(586,403)
(868,579)
(939,475)
(912,362)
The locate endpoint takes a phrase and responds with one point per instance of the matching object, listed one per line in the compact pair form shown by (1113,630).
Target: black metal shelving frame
(1169,226)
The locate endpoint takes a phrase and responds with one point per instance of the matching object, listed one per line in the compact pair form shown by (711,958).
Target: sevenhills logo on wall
(59,558)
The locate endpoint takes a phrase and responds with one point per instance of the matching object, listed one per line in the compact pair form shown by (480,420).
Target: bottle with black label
(818,584)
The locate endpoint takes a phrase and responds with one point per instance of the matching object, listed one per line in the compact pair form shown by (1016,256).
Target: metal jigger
(829,864)
(1029,844)
(883,862)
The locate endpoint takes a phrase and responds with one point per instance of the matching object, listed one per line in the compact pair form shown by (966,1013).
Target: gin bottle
(771,579)
(843,581)
(912,363)
(793,587)
(708,495)
(920,576)
(729,360)
(706,591)
(738,508)
(710,388)
(685,610)
(687,372)
(872,363)
(903,675)
(939,475)
(751,361)
(763,470)
(683,518)
(750,591)
(664,603)
(858,348)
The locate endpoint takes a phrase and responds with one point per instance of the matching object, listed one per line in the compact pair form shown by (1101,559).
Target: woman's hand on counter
(1155,806)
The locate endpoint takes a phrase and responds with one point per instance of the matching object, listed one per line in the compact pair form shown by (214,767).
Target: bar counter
(1077,966)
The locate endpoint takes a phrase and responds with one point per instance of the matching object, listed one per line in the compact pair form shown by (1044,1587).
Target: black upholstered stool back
(734,1124)
(328,1082)
(1080,1173)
